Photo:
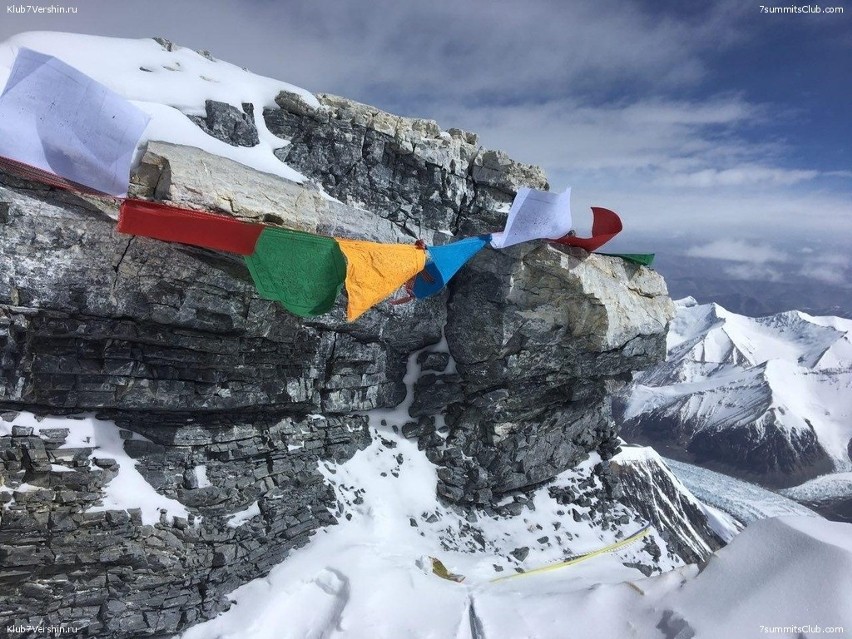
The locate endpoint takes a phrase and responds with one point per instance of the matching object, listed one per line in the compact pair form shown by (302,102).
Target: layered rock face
(542,336)
(406,170)
(173,343)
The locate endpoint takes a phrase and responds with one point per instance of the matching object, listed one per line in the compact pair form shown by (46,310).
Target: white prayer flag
(60,120)
(535,215)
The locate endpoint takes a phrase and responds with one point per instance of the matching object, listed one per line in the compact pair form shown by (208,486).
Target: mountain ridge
(766,397)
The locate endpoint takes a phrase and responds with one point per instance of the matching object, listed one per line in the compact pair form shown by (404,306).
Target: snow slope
(371,575)
(168,85)
(784,577)
(783,381)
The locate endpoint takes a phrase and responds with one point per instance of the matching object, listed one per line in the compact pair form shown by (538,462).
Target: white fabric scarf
(60,120)
(535,215)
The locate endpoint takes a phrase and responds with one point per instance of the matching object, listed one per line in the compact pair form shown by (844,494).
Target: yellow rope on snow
(621,544)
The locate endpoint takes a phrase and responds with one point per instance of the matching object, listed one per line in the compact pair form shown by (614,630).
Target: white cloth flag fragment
(60,120)
(535,215)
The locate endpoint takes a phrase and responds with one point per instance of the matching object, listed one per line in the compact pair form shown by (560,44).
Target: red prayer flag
(605,226)
(197,228)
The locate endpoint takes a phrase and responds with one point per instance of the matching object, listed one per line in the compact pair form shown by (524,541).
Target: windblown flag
(605,226)
(59,120)
(198,228)
(445,262)
(535,215)
(643,259)
(303,272)
(374,271)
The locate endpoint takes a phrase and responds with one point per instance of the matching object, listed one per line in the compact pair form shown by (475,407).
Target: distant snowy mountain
(768,398)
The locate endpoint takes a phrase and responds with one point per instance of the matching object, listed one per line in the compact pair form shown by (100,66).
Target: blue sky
(703,120)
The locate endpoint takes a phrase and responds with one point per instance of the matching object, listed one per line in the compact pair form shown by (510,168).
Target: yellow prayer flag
(374,271)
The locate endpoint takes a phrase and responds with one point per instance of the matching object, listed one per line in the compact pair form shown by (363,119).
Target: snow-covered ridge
(785,377)
(710,334)
(169,85)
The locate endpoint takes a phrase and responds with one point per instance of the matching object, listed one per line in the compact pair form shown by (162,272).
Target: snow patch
(239,518)
(200,473)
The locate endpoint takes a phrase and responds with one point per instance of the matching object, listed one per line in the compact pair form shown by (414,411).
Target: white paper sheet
(535,215)
(57,119)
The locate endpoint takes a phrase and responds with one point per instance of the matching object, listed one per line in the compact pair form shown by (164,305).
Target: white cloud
(828,268)
(825,274)
(739,176)
(738,251)
(753,272)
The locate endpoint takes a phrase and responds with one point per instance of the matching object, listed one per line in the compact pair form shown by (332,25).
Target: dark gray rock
(432,361)
(520,553)
(768,453)
(422,427)
(227,123)
(647,489)
(130,580)
(144,325)
(434,393)
(537,388)
(406,170)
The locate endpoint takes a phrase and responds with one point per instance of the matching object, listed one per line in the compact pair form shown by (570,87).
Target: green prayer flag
(645,259)
(303,272)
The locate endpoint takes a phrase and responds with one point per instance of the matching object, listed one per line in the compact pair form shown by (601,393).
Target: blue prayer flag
(445,262)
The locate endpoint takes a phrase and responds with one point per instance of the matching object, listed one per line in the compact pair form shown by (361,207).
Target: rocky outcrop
(228,123)
(648,487)
(565,330)
(172,342)
(193,178)
(407,170)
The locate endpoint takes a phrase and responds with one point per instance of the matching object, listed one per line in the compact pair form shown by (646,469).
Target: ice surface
(742,500)
(823,488)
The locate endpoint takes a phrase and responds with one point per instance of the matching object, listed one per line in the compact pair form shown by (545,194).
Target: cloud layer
(625,101)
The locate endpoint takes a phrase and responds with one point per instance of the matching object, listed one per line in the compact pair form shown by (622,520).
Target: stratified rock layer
(109,574)
(404,169)
(542,336)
